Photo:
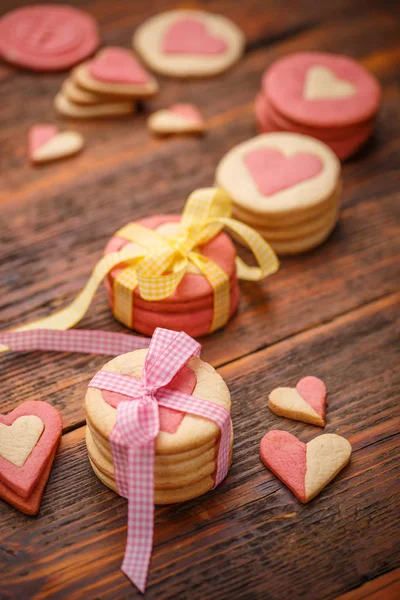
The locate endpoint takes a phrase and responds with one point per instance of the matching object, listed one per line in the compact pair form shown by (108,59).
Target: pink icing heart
(285,455)
(187,111)
(273,172)
(313,391)
(39,135)
(116,65)
(189,36)
(170,419)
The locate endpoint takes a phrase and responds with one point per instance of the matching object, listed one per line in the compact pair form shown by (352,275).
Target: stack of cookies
(186,446)
(285,185)
(107,86)
(327,96)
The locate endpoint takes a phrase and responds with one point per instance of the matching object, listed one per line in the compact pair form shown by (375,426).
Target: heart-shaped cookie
(321,83)
(304,468)
(47,143)
(190,36)
(170,419)
(274,172)
(117,65)
(33,458)
(178,118)
(306,402)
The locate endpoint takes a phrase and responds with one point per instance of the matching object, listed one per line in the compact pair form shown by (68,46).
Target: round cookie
(296,246)
(278,174)
(302,231)
(192,432)
(47,37)
(321,89)
(189,43)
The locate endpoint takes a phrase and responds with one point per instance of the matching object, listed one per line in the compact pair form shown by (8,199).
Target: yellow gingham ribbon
(157,264)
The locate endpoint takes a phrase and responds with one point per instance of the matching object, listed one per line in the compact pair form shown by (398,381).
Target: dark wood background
(333,312)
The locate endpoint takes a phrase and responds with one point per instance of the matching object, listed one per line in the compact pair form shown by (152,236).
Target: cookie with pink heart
(189,43)
(306,402)
(304,468)
(177,119)
(115,71)
(329,96)
(281,181)
(29,437)
(48,143)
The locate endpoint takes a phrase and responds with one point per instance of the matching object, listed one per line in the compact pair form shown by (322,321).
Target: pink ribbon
(136,428)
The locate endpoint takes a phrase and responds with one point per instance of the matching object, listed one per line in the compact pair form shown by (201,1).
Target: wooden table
(333,312)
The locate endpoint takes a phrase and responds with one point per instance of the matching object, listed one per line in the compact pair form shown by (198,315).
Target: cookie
(106,109)
(77,95)
(178,118)
(306,402)
(285,185)
(191,307)
(189,43)
(328,96)
(47,37)
(47,143)
(304,468)
(29,436)
(116,71)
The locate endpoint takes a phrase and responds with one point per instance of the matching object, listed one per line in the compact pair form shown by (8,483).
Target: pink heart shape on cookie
(24,457)
(170,419)
(306,402)
(189,36)
(274,172)
(304,468)
(178,118)
(116,65)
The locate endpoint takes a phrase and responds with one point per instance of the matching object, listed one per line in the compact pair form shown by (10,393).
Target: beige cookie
(276,175)
(296,246)
(193,431)
(302,231)
(19,439)
(61,145)
(83,76)
(78,95)
(177,119)
(327,455)
(77,111)
(287,402)
(189,43)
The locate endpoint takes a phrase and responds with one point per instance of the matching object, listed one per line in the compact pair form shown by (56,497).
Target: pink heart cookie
(116,65)
(39,135)
(178,118)
(189,36)
(274,172)
(23,479)
(47,143)
(307,402)
(170,419)
(304,468)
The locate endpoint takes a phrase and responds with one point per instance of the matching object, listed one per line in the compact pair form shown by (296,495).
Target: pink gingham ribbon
(136,428)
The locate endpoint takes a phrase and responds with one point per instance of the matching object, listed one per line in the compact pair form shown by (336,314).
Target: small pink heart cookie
(304,468)
(28,438)
(189,43)
(47,143)
(306,402)
(178,118)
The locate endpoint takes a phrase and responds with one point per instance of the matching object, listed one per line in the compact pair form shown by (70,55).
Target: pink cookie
(22,479)
(117,65)
(190,36)
(304,468)
(47,37)
(306,402)
(322,90)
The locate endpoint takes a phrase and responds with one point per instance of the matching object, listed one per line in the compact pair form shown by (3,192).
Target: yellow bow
(156,263)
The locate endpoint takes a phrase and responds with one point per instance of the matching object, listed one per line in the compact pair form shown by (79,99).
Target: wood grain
(333,312)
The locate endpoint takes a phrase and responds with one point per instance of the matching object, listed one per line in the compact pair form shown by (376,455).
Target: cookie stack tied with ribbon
(107,86)
(327,96)
(285,185)
(158,431)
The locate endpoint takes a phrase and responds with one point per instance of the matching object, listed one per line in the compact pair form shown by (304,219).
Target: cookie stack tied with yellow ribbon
(107,86)
(285,185)
(186,447)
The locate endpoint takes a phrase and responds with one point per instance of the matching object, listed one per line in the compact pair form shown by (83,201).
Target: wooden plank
(386,587)
(250,536)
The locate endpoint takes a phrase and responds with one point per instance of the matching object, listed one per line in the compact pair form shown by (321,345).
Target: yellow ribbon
(156,264)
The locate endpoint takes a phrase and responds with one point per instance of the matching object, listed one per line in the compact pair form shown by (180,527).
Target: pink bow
(136,428)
